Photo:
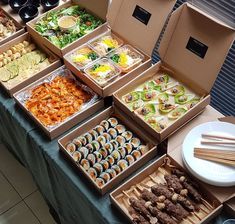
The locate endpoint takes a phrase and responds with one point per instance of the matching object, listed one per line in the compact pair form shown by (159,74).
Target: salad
(84,56)
(103,71)
(48,26)
(126,58)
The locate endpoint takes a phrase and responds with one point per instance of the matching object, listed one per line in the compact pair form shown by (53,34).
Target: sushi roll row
(106,150)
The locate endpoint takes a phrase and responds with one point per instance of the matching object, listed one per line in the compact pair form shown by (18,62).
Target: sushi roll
(92,159)
(120,128)
(143,149)
(130,159)
(112,173)
(88,137)
(83,140)
(99,129)
(103,152)
(107,137)
(90,148)
(136,154)
(99,168)
(123,164)
(116,155)
(105,176)
(77,156)
(84,151)
(92,173)
(115,144)
(135,142)
(102,140)
(98,156)
(128,147)
(94,134)
(121,140)
(96,145)
(85,164)
(116,168)
(109,147)
(113,122)
(122,151)
(105,164)
(70,147)
(110,159)
(77,142)
(100,182)
(127,135)
(112,132)
(105,124)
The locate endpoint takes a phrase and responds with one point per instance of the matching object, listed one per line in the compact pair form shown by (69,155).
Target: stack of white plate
(209,172)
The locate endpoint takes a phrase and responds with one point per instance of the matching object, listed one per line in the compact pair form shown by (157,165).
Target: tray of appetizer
(107,148)
(22,61)
(164,193)
(58,101)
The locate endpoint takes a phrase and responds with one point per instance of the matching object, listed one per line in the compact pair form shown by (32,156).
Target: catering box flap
(139,22)
(100,9)
(195,45)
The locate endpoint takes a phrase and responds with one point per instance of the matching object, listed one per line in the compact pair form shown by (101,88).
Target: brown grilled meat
(149,196)
(173,182)
(193,192)
(139,207)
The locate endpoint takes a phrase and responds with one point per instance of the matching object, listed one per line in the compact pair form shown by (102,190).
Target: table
(72,197)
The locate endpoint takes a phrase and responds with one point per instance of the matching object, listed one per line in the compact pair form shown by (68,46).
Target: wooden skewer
(222,137)
(218,142)
(215,150)
(215,154)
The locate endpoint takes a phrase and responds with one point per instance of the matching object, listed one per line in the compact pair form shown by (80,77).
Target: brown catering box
(60,128)
(209,208)
(99,10)
(92,123)
(55,63)
(137,23)
(188,48)
(19,28)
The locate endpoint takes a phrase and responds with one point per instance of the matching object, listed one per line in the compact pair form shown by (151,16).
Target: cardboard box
(95,9)
(188,48)
(55,63)
(130,20)
(111,111)
(134,185)
(67,123)
(20,29)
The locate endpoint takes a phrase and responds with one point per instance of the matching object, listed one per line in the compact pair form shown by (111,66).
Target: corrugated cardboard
(67,124)
(99,10)
(129,123)
(54,64)
(142,175)
(195,72)
(134,32)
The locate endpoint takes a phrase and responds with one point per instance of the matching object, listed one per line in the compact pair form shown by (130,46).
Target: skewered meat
(175,210)
(161,216)
(149,196)
(192,192)
(139,207)
(160,189)
(137,218)
(173,182)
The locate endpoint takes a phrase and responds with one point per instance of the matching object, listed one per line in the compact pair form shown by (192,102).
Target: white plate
(209,172)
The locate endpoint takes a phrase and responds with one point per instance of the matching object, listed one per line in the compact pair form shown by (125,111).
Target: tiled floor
(20,201)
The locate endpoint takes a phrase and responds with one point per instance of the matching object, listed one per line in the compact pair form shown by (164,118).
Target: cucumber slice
(131,97)
(5,75)
(183,99)
(149,95)
(176,113)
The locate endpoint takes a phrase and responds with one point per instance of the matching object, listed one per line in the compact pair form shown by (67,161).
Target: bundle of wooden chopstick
(225,156)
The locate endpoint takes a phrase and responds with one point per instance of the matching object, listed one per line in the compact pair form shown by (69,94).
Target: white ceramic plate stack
(207,171)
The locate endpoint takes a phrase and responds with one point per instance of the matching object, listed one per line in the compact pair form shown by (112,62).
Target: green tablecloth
(63,187)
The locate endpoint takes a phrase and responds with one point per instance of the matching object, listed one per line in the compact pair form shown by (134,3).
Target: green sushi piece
(146,110)
(98,156)
(183,99)
(116,155)
(136,105)
(166,108)
(105,164)
(71,147)
(157,122)
(88,137)
(77,156)
(112,132)
(116,168)
(131,97)
(176,113)
(99,168)
(151,85)
(128,147)
(77,142)
(84,151)
(102,140)
(103,152)
(130,159)
(163,98)
(94,134)
(111,172)
(99,129)
(120,128)
(100,182)
(127,135)
(109,147)
(96,145)
(113,121)
(123,164)
(122,152)
(92,159)
(149,95)
(107,136)
(110,159)
(161,79)
(105,124)
(136,154)
(176,90)
(115,144)
(105,176)
(191,103)
(143,149)
(121,140)
(92,173)
(135,142)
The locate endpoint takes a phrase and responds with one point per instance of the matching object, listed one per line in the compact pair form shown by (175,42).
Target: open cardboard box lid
(195,45)
(139,22)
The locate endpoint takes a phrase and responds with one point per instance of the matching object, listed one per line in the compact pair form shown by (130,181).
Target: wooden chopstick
(222,137)
(219,156)
(218,160)
(230,154)
(216,142)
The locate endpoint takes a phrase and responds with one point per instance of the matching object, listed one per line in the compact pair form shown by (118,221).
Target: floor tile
(17,175)
(8,196)
(19,214)
(36,202)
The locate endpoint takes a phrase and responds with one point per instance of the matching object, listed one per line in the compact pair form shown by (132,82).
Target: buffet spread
(107,52)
